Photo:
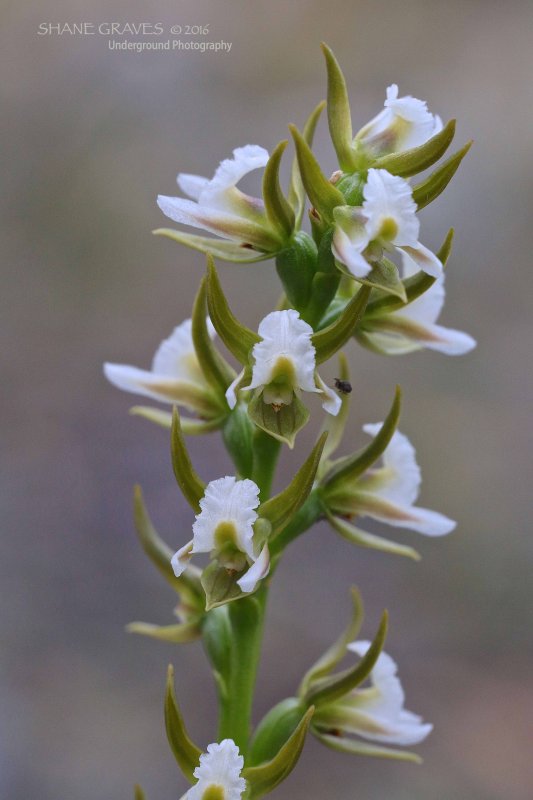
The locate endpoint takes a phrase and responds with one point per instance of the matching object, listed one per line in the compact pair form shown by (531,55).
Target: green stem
(266,451)
(246,619)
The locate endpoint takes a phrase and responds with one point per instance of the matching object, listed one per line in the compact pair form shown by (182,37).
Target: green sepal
(138,793)
(384,276)
(331,688)
(296,267)
(186,753)
(337,651)
(159,552)
(415,285)
(329,340)
(226,251)
(275,728)
(263,778)
(356,747)
(220,585)
(238,434)
(217,372)
(237,337)
(283,424)
(370,540)
(217,639)
(296,187)
(181,633)
(321,192)
(424,193)
(278,210)
(410,162)
(339,116)
(191,485)
(279,510)
(348,469)
(190,427)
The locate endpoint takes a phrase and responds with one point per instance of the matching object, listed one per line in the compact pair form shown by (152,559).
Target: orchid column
(361,275)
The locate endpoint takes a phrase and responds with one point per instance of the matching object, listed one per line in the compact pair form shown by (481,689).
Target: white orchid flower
(219,207)
(404,123)
(386,221)
(284,364)
(376,713)
(388,493)
(175,376)
(219,774)
(225,529)
(414,327)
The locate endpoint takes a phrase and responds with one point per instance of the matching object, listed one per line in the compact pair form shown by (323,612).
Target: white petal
(332,402)
(164,388)
(231,170)
(450,341)
(187,212)
(257,571)
(401,477)
(423,258)
(181,558)
(220,766)
(284,335)
(421,520)
(192,185)
(350,238)
(227,500)
(390,197)
(176,355)
(426,308)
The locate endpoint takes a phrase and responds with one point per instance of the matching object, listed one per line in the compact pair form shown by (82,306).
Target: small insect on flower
(344,387)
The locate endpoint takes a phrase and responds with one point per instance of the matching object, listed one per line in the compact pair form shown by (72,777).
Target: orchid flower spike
(284,364)
(219,774)
(175,377)
(413,327)
(225,529)
(376,713)
(386,221)
(388,493)
(404,123)
(219,207)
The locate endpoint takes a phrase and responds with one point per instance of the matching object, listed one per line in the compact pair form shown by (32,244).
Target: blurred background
(90,137)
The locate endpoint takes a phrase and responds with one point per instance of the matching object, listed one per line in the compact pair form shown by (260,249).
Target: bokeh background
(91,136)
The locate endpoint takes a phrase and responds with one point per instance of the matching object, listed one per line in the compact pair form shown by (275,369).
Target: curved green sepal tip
(410,162)
(328,340)
(321,192)
(278,210)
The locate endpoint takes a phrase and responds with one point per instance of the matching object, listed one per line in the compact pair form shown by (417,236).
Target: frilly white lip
(175,375)
(404,123)
(221,766)
(285,336)
(232,502)
(387,217)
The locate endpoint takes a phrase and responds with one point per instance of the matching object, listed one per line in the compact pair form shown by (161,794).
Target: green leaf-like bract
(328,340)
(191,485)
(216,371)
(237,337)
(265,777)
(424,193)
(351,467)
(296,187)
(327,690)
(339,117)
(278,210)
(186,753)
(322,194)
(281,508)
